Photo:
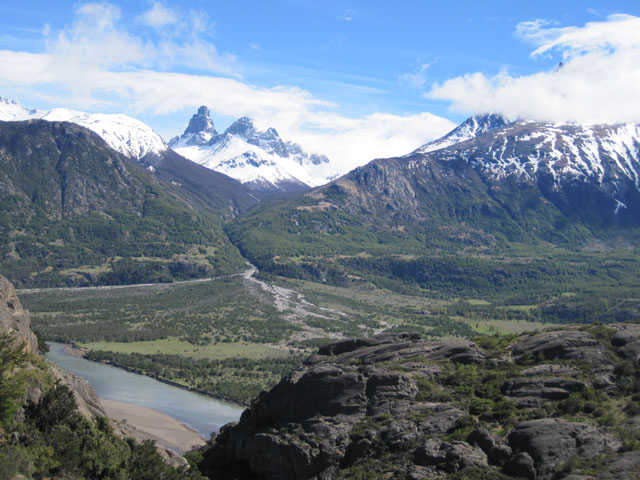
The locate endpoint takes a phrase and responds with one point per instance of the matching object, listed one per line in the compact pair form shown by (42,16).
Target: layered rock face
(398,406)
(13,318)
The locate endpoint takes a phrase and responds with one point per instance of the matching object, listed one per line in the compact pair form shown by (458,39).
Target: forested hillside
(75,212)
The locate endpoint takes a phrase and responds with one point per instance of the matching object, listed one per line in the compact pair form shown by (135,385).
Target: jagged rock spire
(201,122)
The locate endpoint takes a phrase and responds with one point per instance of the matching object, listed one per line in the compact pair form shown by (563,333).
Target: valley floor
(237,335)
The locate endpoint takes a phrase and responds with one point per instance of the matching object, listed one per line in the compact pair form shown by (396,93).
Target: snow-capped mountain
(521,181)
(601,154)
(606,155)
(470,128)
(259,159)
(10,111)
(124,134)
(590,172)
(199,131)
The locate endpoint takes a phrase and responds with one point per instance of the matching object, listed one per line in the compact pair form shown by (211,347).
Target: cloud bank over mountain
(597,81)
(97,62)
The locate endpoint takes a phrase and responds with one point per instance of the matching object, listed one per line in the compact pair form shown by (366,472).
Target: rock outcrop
(398,406)
(533,391)
(450,457)
(550,442)
(13,318)
(627,341)
(566,345)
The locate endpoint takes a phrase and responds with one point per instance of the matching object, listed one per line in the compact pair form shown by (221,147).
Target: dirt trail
(136,285)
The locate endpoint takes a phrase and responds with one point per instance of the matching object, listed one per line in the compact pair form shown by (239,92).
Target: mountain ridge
(591,172)
(467,130)
(457,220)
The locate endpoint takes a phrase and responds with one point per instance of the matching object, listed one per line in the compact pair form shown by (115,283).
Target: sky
(354,80)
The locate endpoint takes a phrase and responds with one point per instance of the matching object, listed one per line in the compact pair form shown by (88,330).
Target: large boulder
(521,465)
(626,467)
(302,427)
(438,418)
(566,345)
(389,347)
(497,449)
(450,457)
(627,341)
(562,344)
(550,442)
(533,391)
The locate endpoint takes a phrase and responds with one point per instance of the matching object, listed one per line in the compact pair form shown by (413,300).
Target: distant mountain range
(515,170)
(555,157)
(488,183)
(261,160)
(137,141)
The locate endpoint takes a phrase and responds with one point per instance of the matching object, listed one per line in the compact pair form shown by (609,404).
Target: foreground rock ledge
(399,406)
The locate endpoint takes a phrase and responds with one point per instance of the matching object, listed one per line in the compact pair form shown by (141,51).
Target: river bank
(166,431)
(78,351)
(183,410)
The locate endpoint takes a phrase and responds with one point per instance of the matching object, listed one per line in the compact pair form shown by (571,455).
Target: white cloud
(295,113)
(415,80)
(618,33)
(355,141)
(159,16)
(94,64)
(26,69)
(93,43)
(96,40)
(598,83)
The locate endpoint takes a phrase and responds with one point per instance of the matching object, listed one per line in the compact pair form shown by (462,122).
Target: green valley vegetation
(227,338)
(320,238)
(439,225)
(215,336)
(236,378)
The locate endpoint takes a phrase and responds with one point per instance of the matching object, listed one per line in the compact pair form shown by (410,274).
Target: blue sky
(346,77)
